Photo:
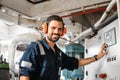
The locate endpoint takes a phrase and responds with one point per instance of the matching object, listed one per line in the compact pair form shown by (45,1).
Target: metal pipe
(83,34)
(118,11)
(12,47)
(91,30)
(105,14)
(106,22)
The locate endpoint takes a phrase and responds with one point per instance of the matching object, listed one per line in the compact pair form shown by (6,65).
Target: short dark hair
(54,17)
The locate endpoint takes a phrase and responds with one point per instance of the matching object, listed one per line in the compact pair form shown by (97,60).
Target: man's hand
(103,51)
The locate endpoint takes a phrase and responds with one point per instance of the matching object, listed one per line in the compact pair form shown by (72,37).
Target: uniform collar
(47,46)
(45,43)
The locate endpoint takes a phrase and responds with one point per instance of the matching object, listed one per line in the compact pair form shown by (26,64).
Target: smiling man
(35,65)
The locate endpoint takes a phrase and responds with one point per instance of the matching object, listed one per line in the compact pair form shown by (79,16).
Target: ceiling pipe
(19,20)
(85,12)
(106,22)
(92,31)
(105,14)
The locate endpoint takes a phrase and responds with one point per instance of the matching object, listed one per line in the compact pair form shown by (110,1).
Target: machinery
(106,68)
(4,69)
(74,50)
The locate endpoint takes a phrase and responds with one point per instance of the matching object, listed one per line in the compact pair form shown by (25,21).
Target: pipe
(83,34)
(12,47)
(93,30)
(106,22)
(105,14)
(118,11)
(85,12)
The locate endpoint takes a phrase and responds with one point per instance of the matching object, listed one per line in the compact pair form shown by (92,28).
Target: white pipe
(12,47)
(89,31)
(118,10)
(108,9)
(83,34)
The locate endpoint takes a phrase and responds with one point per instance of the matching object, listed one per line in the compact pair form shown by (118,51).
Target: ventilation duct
(37,1)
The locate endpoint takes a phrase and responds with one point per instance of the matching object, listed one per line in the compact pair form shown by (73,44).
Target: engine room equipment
(4,69)
(106,68)
(74,50)
(103,76)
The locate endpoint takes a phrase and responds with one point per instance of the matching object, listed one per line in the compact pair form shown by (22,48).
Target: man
(35,66)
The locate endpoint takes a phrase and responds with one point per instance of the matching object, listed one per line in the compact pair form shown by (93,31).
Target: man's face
(55,29)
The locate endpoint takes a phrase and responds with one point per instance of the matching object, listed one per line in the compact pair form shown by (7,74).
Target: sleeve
(69,63)
(28,64)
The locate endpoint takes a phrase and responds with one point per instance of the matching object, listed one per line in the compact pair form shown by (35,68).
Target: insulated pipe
(12,47)
(105,14)
(90,30)
(83,34)
(106,22)
(118,10)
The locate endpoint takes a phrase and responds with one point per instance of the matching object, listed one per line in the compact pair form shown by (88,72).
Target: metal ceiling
(31,13)
(51,7)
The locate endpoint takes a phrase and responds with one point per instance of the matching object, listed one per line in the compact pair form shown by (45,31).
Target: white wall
(110,63)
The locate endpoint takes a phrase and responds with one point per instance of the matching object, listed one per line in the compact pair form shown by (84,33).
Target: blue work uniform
(45,67)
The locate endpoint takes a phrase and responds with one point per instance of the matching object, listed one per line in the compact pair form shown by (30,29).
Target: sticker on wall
(110,37)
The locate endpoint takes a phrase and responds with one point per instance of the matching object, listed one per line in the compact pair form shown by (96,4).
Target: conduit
(93,30)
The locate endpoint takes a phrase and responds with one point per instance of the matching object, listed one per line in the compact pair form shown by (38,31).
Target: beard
(54,39)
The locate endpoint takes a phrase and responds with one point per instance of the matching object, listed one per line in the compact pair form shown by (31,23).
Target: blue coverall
(45,67)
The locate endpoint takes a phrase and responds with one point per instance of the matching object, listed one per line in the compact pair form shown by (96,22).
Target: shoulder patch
(26,64)
(41,48)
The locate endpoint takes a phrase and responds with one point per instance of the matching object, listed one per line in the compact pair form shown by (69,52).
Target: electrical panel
(106,68)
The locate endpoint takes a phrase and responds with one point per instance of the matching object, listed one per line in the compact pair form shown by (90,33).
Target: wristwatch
(95,56)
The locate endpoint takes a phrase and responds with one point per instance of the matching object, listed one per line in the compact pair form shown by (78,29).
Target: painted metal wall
(106,68)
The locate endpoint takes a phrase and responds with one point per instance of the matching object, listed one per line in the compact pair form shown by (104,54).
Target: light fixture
(37,1)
